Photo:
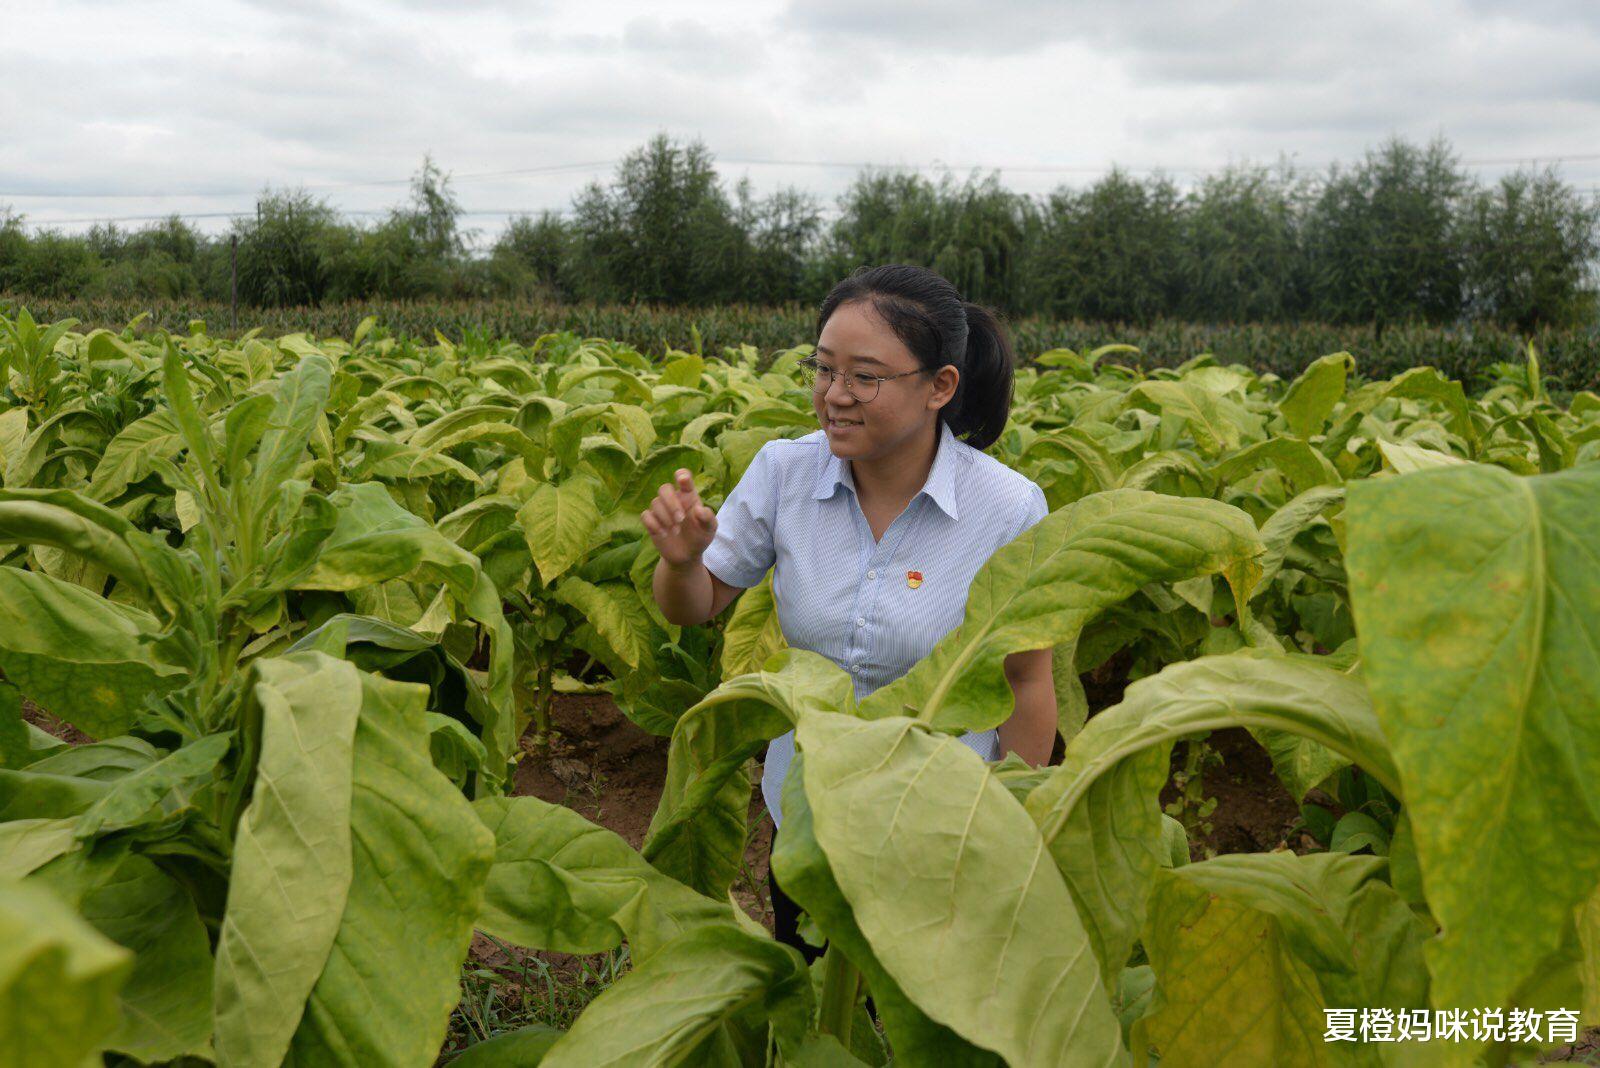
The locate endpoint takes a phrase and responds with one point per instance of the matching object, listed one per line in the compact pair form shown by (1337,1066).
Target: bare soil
(52,726)
(1254,812)
(611,772)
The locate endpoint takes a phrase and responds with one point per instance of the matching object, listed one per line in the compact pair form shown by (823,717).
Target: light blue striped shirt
(851,599)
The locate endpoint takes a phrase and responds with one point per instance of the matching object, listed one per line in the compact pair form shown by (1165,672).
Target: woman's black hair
(930,318)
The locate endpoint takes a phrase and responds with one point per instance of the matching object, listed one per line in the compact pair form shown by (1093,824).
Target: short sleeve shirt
(874,608)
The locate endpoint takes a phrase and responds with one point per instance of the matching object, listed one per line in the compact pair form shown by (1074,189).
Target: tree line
(1404,234)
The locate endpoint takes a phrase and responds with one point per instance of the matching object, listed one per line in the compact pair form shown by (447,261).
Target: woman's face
(855,340)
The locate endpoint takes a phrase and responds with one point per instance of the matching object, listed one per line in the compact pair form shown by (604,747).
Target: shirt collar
(940,486)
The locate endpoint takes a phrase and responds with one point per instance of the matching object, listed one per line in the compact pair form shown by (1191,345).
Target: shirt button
(860,622)
(872,574)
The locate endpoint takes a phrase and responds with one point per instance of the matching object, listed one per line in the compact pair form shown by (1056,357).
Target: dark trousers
(786,921)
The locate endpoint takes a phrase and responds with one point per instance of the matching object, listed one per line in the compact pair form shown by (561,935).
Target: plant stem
(840,982)
(544,692)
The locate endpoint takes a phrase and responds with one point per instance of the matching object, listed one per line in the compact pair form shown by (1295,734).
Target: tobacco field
(308,603)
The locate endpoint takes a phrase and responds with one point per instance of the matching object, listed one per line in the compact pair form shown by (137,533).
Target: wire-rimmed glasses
(861,385)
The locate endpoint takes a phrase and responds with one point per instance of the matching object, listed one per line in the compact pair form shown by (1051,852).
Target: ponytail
(982,403)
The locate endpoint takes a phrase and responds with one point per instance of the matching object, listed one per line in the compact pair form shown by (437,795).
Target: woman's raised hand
(678,522)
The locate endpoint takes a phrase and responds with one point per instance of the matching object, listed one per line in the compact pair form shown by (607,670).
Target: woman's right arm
(682,527)
(689,594)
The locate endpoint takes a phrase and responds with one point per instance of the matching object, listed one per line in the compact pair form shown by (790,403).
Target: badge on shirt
(913,579)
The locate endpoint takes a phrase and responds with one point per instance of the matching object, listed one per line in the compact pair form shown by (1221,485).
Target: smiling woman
(875,524)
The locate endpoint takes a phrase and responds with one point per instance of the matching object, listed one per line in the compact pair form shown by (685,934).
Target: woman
(877,522)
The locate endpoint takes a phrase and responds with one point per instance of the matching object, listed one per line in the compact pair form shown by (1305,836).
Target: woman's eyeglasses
(859,384)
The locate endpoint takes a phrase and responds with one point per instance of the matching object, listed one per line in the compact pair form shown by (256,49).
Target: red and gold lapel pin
(913,579)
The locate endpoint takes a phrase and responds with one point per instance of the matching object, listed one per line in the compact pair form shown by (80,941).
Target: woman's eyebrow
(859,359)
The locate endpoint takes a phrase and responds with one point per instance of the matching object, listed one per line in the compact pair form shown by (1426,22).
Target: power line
(559,168)
(1054,168)
(249,214)
(578,167)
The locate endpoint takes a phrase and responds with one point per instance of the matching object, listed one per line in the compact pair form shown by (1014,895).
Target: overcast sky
(141,108)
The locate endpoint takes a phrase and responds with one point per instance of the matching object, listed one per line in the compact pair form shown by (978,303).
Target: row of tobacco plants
(308,597)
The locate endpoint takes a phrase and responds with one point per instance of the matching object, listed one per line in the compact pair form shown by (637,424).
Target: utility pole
(233,282)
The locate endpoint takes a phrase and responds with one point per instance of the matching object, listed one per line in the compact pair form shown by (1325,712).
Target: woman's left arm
(1031,730)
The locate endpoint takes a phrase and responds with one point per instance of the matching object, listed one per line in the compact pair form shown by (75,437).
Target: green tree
(1381,237)
(434,214)
(662,231)
(535,253)
(1109,251)
(975,233)
(419,250)
(164,259)
(286,251)
(1531,241)
(1240,258)
(781,232)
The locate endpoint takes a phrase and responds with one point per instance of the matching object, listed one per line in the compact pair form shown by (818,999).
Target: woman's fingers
(677,505)
(673,508)
(687,494)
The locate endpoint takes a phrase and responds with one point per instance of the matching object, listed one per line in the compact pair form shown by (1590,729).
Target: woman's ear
(944,386)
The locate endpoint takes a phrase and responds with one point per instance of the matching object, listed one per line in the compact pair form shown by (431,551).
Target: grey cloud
(228,97)
(944,26)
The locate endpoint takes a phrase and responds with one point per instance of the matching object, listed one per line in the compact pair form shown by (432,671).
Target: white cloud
(209,102)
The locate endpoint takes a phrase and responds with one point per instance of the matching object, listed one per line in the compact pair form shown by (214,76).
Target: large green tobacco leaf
(697,834)
(562,883)
(1477,599)
(1248,951)
(558,522)
(1284,525)
(617,617)
(300,398)
(1418,383)
(1216,423)
(386,648)
(1303,466)
(1041,589)
(1588,925)
(65,520)
(951,885)
(28,845)
(128,456)
(166,1000)
(376,540)
(752,633)
(156,792)
(16,734)
(59,979)
(1311,398)
(81,657)
(420,857)
(669,1010)
(803,873)
(105,761)
(523,1048)
(14,430)
(1098,812)
(292,862)
(32,795)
